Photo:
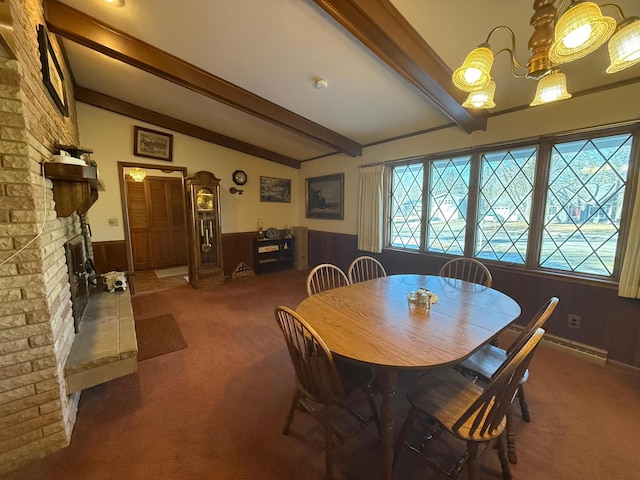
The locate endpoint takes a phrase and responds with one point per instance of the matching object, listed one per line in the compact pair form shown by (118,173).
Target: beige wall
(110,135)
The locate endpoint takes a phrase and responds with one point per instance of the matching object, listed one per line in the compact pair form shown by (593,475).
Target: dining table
(374,324)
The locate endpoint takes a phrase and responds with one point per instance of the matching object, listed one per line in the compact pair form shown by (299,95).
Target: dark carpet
(215,410)
(157,336)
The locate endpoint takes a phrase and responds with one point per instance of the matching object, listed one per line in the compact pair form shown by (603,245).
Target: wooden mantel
(75,187)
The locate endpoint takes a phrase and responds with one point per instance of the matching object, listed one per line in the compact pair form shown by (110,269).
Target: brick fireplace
(36,324)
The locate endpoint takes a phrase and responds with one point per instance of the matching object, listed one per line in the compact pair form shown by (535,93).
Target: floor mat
(157,336)
(171,272)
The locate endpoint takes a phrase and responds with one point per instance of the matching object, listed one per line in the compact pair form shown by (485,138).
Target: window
(584,205)
(448,197)
(555,204)
(504,209)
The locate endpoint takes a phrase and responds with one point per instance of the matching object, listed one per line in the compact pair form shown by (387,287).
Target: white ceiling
(276,49)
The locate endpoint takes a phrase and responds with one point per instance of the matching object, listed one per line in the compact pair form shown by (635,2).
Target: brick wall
(36,327)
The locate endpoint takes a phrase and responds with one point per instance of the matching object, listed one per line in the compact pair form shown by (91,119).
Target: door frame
(125,202)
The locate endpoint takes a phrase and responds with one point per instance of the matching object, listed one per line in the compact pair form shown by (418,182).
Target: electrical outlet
(574,321)
(113,222)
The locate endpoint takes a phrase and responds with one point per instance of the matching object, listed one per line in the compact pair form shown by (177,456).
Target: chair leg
(404,432)
(374,410)
(511,438)
(524,408)
(502,455)
(329,412)
(473,464)
(292,409)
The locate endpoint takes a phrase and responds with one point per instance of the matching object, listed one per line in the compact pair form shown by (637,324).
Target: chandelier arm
(514,64)
(512,51)
(616,7)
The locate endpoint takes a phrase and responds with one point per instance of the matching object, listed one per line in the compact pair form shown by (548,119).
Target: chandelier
(137,174)
(580,30)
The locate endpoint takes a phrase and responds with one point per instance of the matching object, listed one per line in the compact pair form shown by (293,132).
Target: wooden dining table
(373,323)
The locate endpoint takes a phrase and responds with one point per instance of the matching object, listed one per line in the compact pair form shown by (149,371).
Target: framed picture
(275,190)
(325,197)
(52,76)
(152,144)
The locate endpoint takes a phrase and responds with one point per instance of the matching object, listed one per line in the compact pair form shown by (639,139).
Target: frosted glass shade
(624,46)
(475,72)
(580,31)
(481,98)
(551,88)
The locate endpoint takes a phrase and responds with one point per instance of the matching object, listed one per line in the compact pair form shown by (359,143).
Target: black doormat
(157,336)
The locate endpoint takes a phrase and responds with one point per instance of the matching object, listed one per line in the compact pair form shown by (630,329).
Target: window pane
(448,196)
(582,218)
(406,206)
(504,207)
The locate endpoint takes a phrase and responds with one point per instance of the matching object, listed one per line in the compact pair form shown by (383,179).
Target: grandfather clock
(205,252)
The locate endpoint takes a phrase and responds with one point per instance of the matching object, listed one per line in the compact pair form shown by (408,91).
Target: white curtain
(630,275)
(370,206)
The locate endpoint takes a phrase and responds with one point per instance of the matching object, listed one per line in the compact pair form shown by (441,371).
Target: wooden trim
(96,35)
(100,100)
(381,28)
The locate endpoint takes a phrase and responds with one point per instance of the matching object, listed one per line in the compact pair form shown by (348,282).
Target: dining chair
(365,268)
(484,364)
(325,277)
(467,269)
(454,403)
(322,385)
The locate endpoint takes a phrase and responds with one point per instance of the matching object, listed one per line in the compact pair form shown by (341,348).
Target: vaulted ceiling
(242,73)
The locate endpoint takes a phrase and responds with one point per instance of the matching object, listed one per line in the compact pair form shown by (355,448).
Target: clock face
(204,199)
(239,177)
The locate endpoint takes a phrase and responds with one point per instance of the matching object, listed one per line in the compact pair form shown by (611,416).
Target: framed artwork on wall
(275,190)
(52,75)
(325,197)
(152,144)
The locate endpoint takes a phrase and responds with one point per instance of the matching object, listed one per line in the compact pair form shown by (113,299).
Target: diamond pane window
(448,197)
(504,204)
(406,206)
(587,181)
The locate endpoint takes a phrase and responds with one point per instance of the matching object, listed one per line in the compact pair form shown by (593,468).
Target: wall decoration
(325,197)
(275,190)
(152,144)
(52,76)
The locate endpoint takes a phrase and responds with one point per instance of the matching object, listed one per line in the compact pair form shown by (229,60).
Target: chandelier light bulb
(472,74)
(578,36)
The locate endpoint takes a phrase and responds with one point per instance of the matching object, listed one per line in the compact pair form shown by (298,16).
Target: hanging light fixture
(580,30)
(481,97)
(551,88)
(137,174)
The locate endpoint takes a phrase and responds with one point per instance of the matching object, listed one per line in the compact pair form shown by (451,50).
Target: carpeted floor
(215,410)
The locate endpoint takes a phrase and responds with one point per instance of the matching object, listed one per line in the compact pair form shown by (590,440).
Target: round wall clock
(239,177)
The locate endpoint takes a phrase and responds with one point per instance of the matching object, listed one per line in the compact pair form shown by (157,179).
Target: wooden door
(157,222)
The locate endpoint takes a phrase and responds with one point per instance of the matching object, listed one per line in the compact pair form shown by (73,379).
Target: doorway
(154,217)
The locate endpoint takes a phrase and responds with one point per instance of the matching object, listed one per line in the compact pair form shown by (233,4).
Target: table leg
(387,379)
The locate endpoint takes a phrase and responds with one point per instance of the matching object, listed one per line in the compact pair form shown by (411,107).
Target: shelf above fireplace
(75,187)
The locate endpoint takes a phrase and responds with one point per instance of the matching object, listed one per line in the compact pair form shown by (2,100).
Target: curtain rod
(375,164)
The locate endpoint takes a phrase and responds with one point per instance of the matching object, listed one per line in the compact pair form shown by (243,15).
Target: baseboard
(586,352)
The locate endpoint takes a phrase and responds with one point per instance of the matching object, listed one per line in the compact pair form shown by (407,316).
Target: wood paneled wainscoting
(608,322)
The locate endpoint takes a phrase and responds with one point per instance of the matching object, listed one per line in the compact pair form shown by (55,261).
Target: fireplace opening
(79,266)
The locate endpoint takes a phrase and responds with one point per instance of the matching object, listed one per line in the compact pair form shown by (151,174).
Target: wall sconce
(137,174)
(234,190)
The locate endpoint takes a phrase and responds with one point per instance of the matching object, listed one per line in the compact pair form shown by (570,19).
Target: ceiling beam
(100,100)
(384,31)
(92,33)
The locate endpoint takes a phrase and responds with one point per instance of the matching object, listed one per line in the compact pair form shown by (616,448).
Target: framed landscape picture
(152,144)
(325,197)
(275,190)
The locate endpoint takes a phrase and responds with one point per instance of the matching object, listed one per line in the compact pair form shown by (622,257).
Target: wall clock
(239,177)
